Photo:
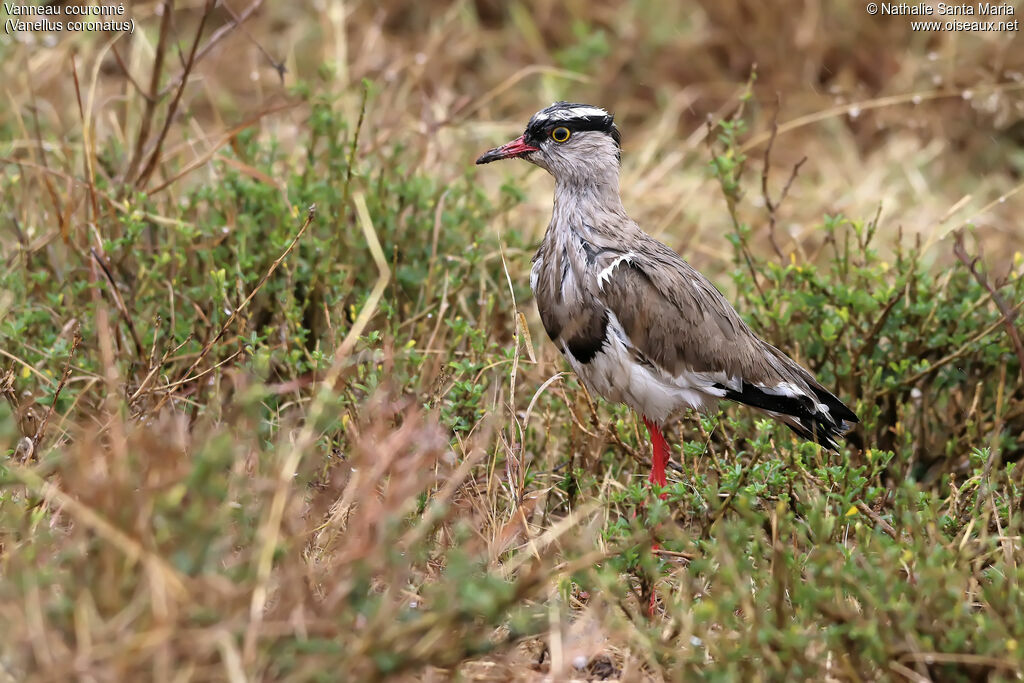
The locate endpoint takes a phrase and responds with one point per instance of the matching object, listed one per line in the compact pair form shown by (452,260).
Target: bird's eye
(560,134)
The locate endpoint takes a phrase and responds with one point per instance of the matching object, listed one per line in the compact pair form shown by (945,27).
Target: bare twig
(153,96)
(675,554)
(871,339)
(1009,314)
(764,181)
(217,36)
(769,204)
(41,430)
(732,194)
(127,74)
(278,66)
(154,367)
(877,520)
(119,301)
(154,157)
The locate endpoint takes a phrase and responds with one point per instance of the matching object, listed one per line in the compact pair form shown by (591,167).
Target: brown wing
(678,320)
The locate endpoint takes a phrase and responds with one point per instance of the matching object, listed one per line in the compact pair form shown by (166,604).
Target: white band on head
(571,113)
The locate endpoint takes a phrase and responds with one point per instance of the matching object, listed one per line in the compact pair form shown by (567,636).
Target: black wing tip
(837,408)
(799,414)
(819,432)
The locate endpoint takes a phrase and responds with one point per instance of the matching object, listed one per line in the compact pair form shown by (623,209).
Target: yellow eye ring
(560,134)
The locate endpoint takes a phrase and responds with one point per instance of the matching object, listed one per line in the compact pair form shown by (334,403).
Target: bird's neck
(591,200)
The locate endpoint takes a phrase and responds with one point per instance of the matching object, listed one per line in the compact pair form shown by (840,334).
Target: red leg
(657,476)
(661,455)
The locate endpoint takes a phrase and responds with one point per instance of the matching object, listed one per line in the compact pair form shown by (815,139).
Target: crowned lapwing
(636,322)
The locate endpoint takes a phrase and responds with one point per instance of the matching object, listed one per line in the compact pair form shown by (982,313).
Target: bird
(636,322)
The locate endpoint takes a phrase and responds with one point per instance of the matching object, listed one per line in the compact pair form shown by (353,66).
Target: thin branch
(877,520)
(119,301)
(127,74)
(41,430)
(217,36)
(154,96)
(154,157)
(773,206)
(1009,315)
(871,339)
(154,367)
(279,67)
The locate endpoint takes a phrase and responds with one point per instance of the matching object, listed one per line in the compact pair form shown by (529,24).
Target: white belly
(614,374)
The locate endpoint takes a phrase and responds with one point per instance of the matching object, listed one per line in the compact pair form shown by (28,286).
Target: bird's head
(570,141)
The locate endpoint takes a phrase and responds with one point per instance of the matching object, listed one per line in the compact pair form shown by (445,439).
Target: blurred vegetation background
(249,439)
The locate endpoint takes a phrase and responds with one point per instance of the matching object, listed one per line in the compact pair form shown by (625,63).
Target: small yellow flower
(25,372)
(1011,644)
(852,511)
